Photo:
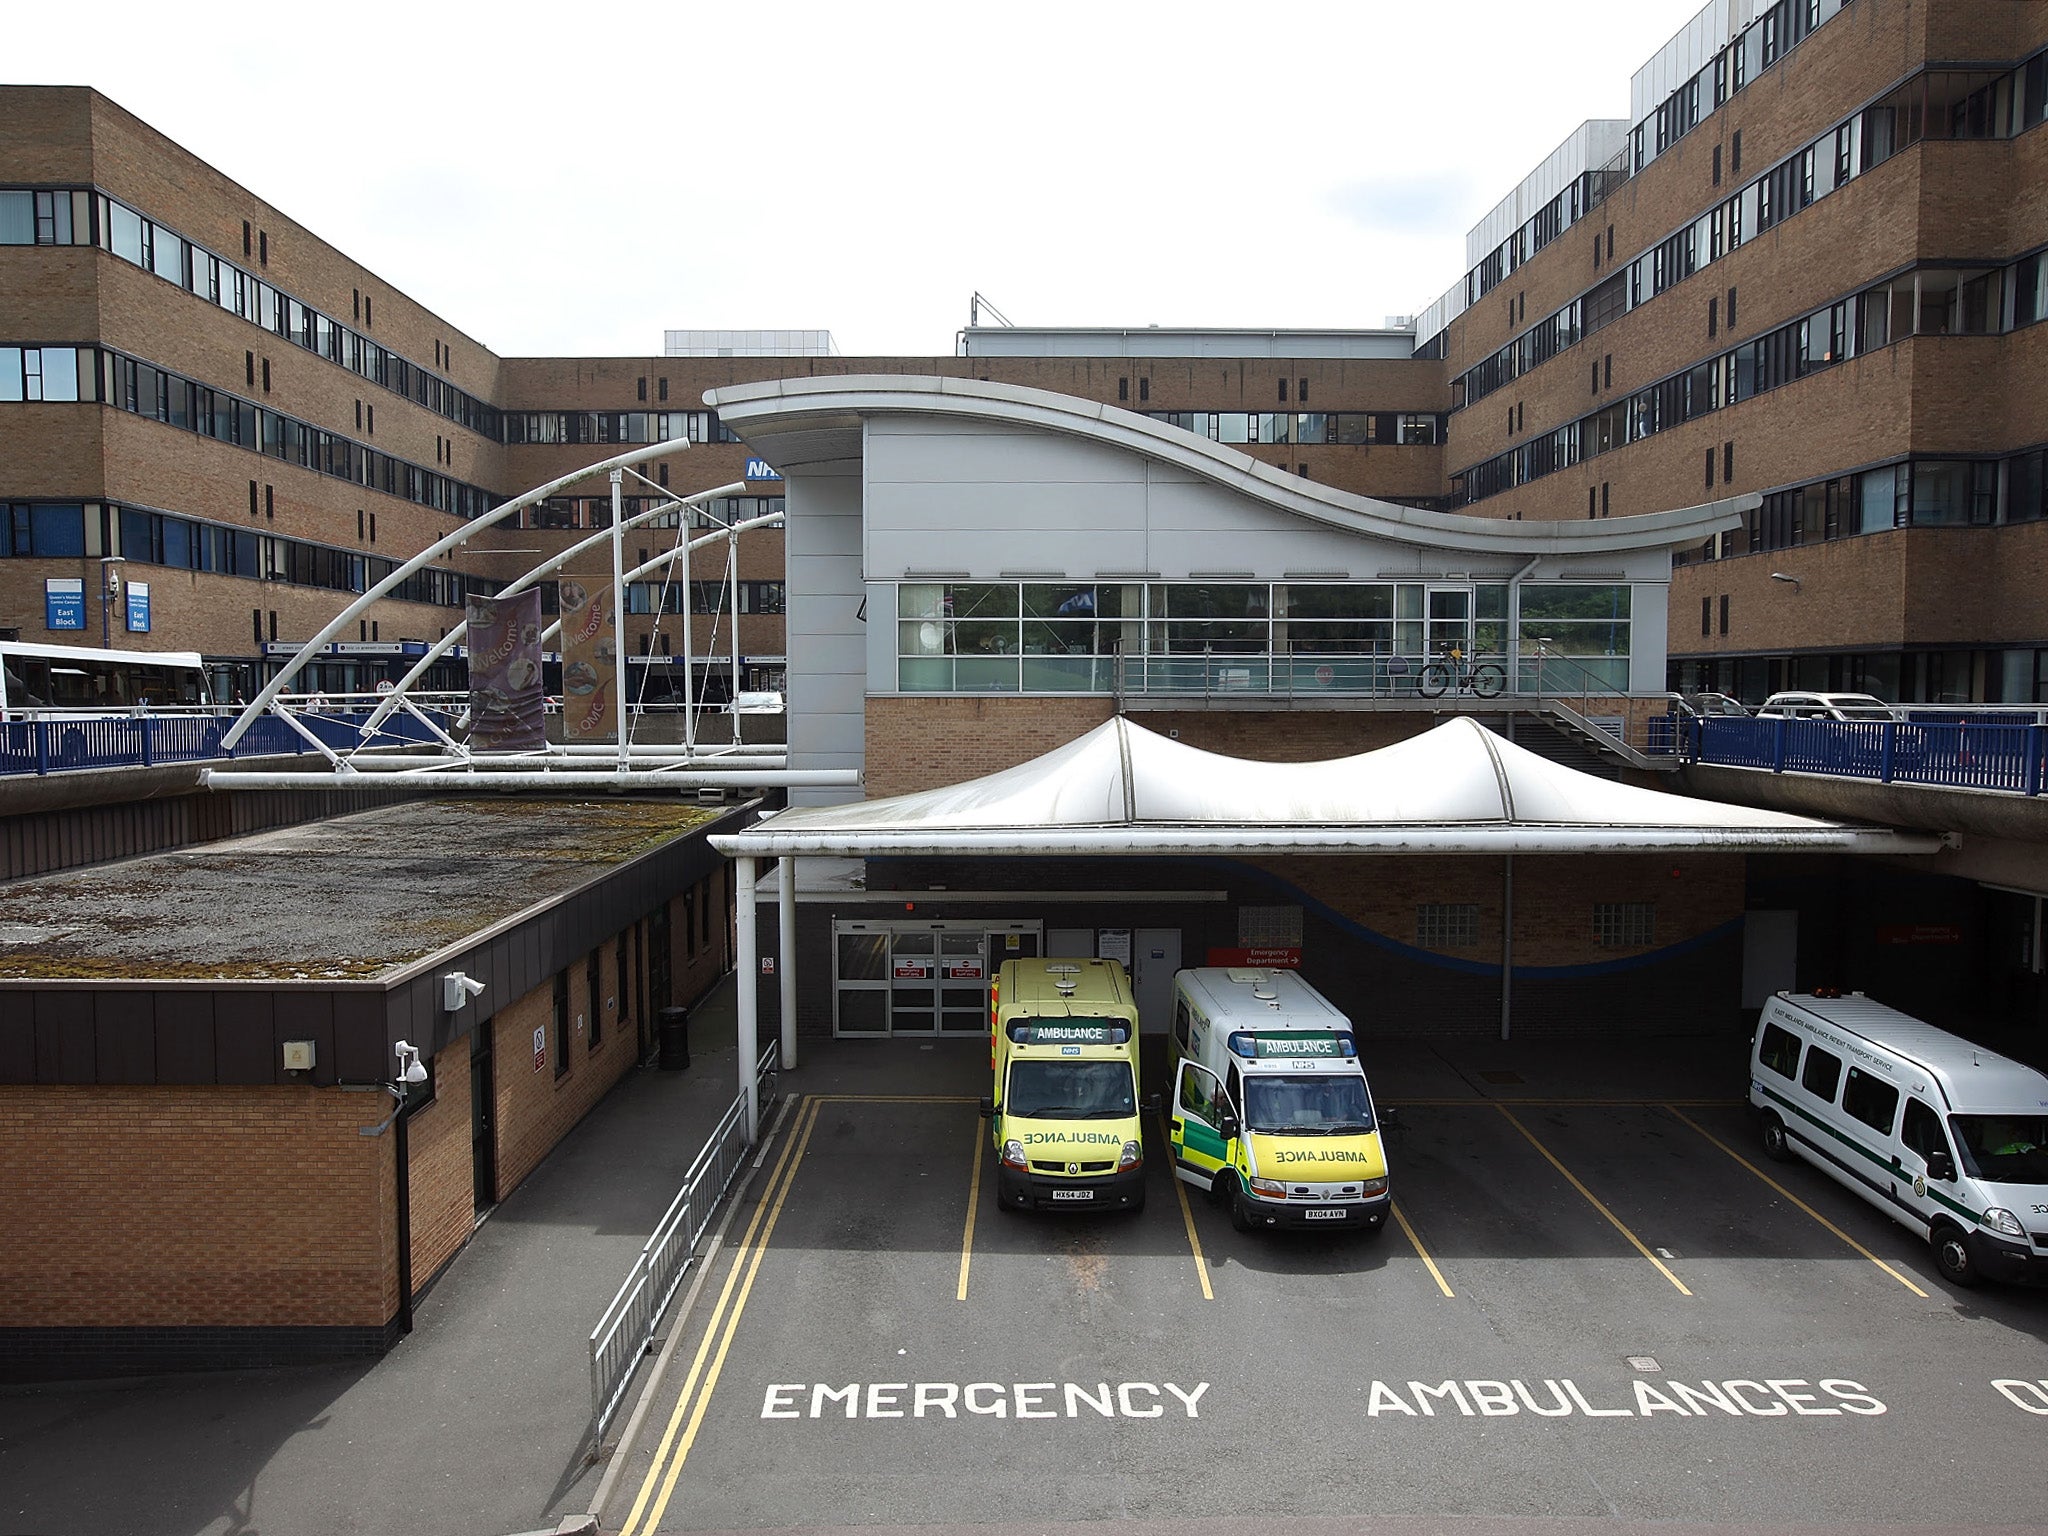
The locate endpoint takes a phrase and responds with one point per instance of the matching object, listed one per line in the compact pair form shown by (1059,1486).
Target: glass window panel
(1354,427)
(1232,427)
(17,218)
(977,674)
(923,637)
(169,254)
(1312,427)
(177,542)
(1875,499)
(1574,637)
(925,676)
(57,530)
(1360,601)
(60,374)
(1941,492)
(10,373)
(1273,426)
(1065,602)
(982,601)
(1065,674)
(1210,600)
(1058,639)
(1575,602)
(996,637)
(125,231)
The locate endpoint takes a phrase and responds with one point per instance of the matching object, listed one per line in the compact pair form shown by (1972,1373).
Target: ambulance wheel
(1240,1216)
(1952,1256)
(1774,1140)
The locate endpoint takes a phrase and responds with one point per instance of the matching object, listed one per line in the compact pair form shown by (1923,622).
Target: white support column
(786,910)
(618,478)
(745,983)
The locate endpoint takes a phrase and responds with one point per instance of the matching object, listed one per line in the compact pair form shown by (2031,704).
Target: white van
(1945,1137)
(1271,1110)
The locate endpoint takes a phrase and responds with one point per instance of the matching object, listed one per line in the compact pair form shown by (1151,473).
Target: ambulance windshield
(1071,1090)
(1325,1104)
(2005,1149)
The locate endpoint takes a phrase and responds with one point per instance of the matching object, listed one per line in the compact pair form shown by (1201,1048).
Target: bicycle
(1483,679)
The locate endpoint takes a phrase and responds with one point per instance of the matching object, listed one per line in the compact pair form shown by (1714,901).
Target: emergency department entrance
(921,978)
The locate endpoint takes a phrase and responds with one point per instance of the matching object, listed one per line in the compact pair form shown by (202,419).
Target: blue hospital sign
(63,603)
(760,469)
(138,607)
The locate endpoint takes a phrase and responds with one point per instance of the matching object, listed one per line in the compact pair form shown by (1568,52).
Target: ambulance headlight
(1272,1189)
(1133,1154)
(1373,1187)
(1013,1153)
(2003,1222)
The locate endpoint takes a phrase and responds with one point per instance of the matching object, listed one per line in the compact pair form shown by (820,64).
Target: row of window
(1916,493)
(972,635)
(1935,104)
(1759,46)
(1308,427)
(705,597)
(615,427)
(73,530)
(81,216)
(1931,301)
(1455,924)
(96,374)
(565,512)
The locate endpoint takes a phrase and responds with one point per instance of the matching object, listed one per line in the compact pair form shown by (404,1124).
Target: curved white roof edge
(845,399)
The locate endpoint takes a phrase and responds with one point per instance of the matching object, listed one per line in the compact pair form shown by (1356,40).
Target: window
(1920,1129)
(1823,1072)
(1447,925)
(1624,924)
(1871,1100)
(561,1024)
(1779,1051)
(593,988)
(1706,616)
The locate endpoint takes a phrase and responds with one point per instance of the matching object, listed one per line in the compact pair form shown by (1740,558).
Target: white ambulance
(1945,1137)
(1271,1110)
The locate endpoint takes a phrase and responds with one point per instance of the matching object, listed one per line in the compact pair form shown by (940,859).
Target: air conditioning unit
(708,794)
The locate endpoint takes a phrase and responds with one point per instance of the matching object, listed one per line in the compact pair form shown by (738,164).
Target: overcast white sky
(573,180)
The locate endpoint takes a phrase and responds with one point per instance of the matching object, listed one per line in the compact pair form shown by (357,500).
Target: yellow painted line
(784,1165)
(1187,1216)
(732,1324)
(973,1200)
(1816,1215)
(1592,1200)
(1423,1253)
(896,1098)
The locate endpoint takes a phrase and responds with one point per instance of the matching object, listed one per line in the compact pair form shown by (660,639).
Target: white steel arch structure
(445,760)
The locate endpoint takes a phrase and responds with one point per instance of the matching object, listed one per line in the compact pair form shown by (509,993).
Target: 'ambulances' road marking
(1593,1201)
(1187,1217)
(1816,1215)
(1420,1252)
(778,1185)
(973,1200)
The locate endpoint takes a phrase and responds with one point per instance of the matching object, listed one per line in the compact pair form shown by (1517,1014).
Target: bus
(45,682)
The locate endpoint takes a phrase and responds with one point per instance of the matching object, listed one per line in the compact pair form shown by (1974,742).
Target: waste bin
(674,1026)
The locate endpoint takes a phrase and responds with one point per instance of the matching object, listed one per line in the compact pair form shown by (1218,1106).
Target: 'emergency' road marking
(973,1200)
(1420,1252)
(779,1183)
(1816,1215)
(1187,1217)
(1634,1241)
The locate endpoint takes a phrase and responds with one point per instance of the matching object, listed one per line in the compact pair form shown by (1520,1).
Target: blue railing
(149,741)
(2004,755)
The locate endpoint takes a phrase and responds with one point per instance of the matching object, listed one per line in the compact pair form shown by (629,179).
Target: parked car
(1798,705)
(1714,704)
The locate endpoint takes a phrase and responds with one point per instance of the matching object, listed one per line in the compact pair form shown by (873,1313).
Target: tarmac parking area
(1587,1309)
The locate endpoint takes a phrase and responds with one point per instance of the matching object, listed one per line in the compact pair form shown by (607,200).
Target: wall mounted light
(457,989)
(1781,576)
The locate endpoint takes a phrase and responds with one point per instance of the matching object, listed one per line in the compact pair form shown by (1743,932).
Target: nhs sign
(760,469)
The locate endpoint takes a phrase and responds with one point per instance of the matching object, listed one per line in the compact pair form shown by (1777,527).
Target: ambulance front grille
(1038,1167)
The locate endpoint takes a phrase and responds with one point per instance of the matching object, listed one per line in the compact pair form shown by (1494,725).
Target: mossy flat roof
(349,899)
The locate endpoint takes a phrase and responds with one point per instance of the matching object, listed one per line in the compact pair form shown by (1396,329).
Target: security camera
(410,1068)
(457,989)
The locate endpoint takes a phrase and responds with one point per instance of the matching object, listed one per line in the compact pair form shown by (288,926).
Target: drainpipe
(1515,624)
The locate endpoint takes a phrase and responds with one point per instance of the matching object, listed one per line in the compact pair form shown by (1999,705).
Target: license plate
(1337,1214)
(1073,1194)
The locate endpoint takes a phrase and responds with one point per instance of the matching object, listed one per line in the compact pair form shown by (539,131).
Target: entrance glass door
(1449,622)
(963,982)
(914,983)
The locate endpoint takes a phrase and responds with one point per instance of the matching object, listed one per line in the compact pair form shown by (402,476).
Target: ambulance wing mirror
(988,1109)
(1941,1167)
(1230,1128)
(1155,1102)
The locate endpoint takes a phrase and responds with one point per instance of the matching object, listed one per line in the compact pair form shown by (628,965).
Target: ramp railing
(622,1336)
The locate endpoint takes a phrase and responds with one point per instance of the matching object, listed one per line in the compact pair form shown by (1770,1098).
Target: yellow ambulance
(1271,1110)
(1063,1042)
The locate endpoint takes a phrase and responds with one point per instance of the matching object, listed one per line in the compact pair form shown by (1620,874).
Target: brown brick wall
(442,1180)
(233,1207)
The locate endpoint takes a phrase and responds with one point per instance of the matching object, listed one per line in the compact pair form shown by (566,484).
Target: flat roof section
(355,898)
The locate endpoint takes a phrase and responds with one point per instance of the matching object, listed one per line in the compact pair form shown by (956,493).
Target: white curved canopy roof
(1459,788)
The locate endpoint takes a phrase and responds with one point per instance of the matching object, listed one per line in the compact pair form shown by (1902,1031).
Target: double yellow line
(660,1484)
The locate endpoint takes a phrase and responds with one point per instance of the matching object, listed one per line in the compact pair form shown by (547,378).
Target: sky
(573,181)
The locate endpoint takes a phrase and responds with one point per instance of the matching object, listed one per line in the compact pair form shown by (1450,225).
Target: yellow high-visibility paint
(1593,1200)
(1422,1253)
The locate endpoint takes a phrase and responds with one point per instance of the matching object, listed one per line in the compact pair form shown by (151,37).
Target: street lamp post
(110,588)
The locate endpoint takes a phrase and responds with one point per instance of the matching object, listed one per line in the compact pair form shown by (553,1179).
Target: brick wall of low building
(442,1178)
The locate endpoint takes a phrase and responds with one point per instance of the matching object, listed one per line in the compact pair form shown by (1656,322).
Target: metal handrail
(627,1328)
